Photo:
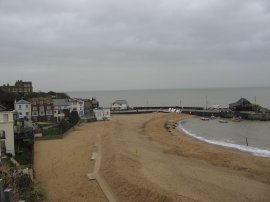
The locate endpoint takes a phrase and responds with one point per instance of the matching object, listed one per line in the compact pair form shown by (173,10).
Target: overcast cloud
(69,45)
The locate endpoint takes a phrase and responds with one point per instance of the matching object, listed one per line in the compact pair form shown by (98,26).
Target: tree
(74,118)
(7,99)
(64,125)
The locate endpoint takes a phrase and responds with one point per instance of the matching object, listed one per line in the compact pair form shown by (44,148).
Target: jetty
(241,109)
(144,110)
(199,111)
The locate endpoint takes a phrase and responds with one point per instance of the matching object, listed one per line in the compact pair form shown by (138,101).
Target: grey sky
(69,45)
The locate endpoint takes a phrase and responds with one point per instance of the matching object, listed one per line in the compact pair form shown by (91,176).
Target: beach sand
(142,161)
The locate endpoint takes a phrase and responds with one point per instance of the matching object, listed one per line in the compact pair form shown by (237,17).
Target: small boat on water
(204,119)
(213,117)
(223,121)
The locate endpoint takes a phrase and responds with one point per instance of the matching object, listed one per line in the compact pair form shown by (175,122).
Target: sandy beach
(141,161)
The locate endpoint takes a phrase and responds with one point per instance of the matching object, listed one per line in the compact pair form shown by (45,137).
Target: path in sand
(61,166)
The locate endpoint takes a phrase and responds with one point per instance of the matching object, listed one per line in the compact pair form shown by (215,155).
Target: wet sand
(142,161)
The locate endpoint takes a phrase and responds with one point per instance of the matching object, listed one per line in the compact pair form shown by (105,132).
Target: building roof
(60,102)
(41,99)
(2,108)
(241,102)
(120,102)
(22,102)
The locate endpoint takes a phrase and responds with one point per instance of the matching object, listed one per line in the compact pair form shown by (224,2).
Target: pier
(199,111)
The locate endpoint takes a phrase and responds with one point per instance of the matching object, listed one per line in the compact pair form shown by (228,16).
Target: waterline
(253,150)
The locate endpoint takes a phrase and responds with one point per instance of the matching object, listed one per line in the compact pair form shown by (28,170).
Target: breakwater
(198,111)
(143,110)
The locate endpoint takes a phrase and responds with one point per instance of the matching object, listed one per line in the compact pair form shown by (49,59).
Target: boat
(236,119)
(213,117)
(204,118)
(223,121)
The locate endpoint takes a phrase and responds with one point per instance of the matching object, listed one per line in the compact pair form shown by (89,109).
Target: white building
(6,132)
(77,105)
(119,105)
(23,108)
(102,114)
(59,105)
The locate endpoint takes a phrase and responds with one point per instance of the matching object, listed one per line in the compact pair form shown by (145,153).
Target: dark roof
(23,102)
(2,108)
(120,102)
(241,102)
(60,102)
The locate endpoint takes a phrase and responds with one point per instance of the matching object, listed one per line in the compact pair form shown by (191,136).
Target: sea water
(248,136)
(177,97)
(232,134)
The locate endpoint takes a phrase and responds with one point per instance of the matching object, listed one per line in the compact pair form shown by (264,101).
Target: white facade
(98,114)
(102,114)
(106,114)
(77,105)
(23,108)
(7,133)
(119,105)
(58,113)
(59,106)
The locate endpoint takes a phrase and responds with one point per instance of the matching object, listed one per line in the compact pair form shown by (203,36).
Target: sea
(232,134)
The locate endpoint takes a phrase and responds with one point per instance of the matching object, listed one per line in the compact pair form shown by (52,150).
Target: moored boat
(204,118)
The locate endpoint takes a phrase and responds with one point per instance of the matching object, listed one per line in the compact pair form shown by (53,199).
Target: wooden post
(8,195)
(1,190)
(246,141)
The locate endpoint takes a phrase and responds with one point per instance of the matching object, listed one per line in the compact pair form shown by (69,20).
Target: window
(20,106)
(34,113)
(41,102)
(2,134)
(26,106)
(41,108)
(48,107)
(5,117)
(27,113)
(34,108)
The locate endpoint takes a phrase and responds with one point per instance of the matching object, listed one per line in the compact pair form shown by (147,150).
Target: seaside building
(119,105)
(89,106)
(19,87)
(102,114)
(42,109)
(241,105)
(23,108)
(77,105)
(59,107)
(6,132)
